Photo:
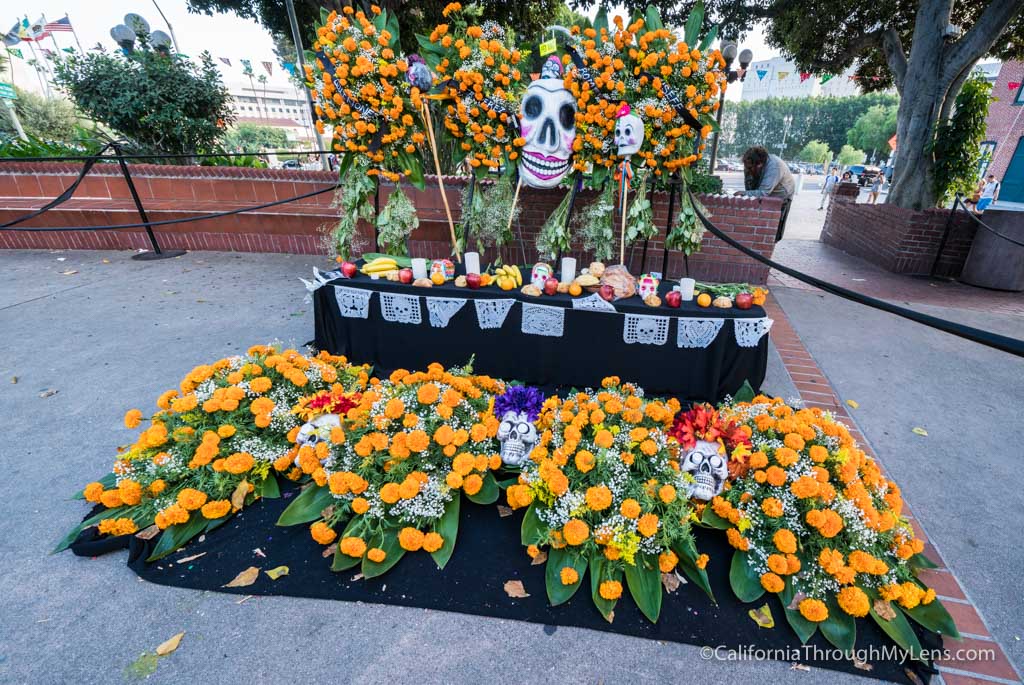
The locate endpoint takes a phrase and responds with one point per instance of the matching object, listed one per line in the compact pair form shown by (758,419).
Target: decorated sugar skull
(629,132)
(547,120)
(316,431)
(445,267)
(518,437)
(540,273)
(708,466)
(647,285)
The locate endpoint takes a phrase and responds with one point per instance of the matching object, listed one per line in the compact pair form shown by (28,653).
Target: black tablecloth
(591,347)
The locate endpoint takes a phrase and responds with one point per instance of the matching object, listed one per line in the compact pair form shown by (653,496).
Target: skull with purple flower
(518,408)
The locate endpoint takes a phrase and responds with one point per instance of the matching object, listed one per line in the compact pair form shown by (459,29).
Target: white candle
(419,268)
(686,286)
(568,269)
(472,262)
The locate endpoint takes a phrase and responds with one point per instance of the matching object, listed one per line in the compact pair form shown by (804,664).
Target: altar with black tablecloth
(690,352)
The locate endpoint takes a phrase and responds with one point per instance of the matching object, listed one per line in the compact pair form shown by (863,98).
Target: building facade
(272,104)
(1004,137)
(780,78)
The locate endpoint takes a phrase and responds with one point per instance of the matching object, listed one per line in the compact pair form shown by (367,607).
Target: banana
(380,265)
(516,274)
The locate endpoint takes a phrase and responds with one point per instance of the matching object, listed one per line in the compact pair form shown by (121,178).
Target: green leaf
(91,521)
(712,520)
(488,493)
(600,22)
(706,42)
(803,628)
(687,553)
(898,628)
(387,541)
(839,628)
(557,560)
(177,535)
(652,22)
(323,16)
(307,506)
(644,581)
(216,523)
(935,617)
(533,529)
(343,562)
(400,260)
(708,120)
(268,487)
(108,481)
(448,528)
(693,24)
(919,561)
(345,164)
(600,571)
(745,582)
(745,393)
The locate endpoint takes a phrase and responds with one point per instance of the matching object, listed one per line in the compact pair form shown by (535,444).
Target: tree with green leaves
(925,48)
(815,152)
(161,103)
(850,155)
(42,117)
(873,130)
(957,147)
(254,137)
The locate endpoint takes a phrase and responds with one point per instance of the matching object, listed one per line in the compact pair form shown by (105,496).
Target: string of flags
(825,78)
(247,66)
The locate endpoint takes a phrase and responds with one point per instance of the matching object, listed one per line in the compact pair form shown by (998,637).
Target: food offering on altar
(391,479)
(727,295)
(603,494)
(214,445)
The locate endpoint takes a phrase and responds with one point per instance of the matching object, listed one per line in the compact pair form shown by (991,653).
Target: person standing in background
(876,187)
(829,189)
(989,193)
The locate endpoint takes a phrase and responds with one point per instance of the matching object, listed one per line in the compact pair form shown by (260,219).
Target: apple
(405,275)
(550,285)
(673,299)
(744,300)
(348,269)
(607,292)
(473,281)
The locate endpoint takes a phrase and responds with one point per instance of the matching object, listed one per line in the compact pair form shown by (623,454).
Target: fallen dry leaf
(238,496)
(762,616)
(327,512)
(797,598)
(277,572)
(799,667)
(245,578)
(917,430)
(504,511)
(912,676)
(611,616)
(670,581)
(259,552)
(539,559)
(48,393)
(862,665)
(853,403)
(191,558)
(330,549)
(884,610)
(148,533)
(515,589)
(169,646)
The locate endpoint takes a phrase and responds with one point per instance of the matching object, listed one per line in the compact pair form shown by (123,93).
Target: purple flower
(519,399)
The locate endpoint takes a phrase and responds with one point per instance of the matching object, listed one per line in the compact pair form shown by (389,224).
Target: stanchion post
(157,253)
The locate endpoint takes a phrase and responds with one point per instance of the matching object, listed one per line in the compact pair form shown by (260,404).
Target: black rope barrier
(977,335)
(974,217)
(176,155)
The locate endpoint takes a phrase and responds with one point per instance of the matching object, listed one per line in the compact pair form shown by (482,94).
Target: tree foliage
(957,146)
(873,129)
(248,137)
(850,155)
(816,152)
(160,103)
(763,122)
(41,117)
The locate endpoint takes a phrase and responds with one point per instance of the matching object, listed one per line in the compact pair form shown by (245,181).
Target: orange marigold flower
(813,610)
(472,484)
(854,601)
(418,441)
(432,542)
(353,547)
(410,539)
(427,393)
(599,497)
(785,541)
(630,508)
(702,561)
(772,583)
(576,532)
(667,561)
(390,493)
(226,431)
(737,540)
(132,418)
(604,438)
(667,494)
(92,492)
(647,525)
(216,509)
(772,507)
(775,476)
(111,498)
(239,463)
(818,454)
(376,555)
(191,499)
(360,505)
(568,575)
(777,563)
(794,441)
(805,487)
(584,461)
(157,486)
(610,589)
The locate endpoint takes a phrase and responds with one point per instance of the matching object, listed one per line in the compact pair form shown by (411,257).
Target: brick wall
(1005,123)
(896,239)
(170,192)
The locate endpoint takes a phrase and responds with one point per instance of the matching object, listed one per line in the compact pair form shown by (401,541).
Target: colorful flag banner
(290,66)
(68,49)
(16,52)
(269,66)
(761,73)
(12,37)
(1013,85)
(59,25)
(225,60)
(782,75)
(826,78)
(246,66)
(50,54)
(36,29)
(804,75)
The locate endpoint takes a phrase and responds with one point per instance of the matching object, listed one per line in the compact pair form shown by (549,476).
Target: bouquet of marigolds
(390,481)
(211,447)
(815,521)
(480,80)
(604,493)
(360,90)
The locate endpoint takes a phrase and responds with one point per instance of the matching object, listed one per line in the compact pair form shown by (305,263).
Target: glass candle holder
(686,286)
(568,269)
(419,267)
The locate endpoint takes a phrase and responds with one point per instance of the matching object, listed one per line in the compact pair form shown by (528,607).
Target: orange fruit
(437,278)
(575,290)
(485,280)
(506,283)
(704,300)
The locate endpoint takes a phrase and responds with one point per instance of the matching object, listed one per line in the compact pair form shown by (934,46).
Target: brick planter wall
(898,240)
(173,192)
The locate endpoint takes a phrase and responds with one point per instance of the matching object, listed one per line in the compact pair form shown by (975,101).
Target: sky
(223,35)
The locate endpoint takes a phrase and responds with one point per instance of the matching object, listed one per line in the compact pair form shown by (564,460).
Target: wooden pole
(440,182)
(624,184)
(511,214)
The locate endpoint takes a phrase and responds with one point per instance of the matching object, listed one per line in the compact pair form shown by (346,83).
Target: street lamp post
(729,50)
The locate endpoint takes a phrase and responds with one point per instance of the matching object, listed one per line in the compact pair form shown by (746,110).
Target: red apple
(607,292)
(673,299)
(348,269)
(744,300)
(550,285)
(473,281)
(405,276)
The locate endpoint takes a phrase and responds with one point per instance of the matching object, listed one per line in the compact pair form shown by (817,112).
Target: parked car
(291,164)
(864,173)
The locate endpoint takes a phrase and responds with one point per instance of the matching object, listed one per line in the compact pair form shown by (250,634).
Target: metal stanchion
(157,252)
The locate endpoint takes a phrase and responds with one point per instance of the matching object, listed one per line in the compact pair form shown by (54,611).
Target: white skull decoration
(547,120)
(708,467)
(647,286)
(518,436)
(316,431)
(629,132)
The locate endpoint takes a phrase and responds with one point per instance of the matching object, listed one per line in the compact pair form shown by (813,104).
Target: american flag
(59,25)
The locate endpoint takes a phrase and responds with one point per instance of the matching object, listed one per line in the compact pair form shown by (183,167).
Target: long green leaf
(652,22)
(745,582)
(745,393)
(91,521)
(803,628)
(644,581)
(919,561)
(532,530)
(711,519)
(307,506)
(600,22)
(839,628)
(557,560)
(177,535)
(693,24)
(448,528)
(268,488)
(387,541)
(106,481)
(488,493)
(343,562)
(600,571)
(706,42)
(687,553)
(936,618)
(898,628)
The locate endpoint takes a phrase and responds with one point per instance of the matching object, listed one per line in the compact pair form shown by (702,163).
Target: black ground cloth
(591,347)
(487,554)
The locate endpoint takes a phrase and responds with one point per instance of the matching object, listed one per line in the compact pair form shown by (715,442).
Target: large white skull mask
(547,120)
(629,134)
(518,437)
(708,467)
(316,431)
